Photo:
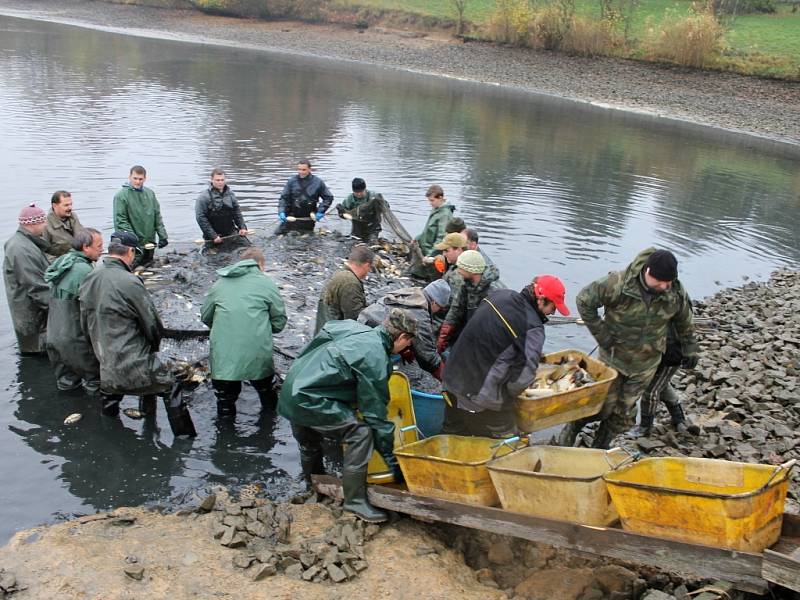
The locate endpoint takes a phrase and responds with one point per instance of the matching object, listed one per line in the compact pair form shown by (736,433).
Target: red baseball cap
(551,288)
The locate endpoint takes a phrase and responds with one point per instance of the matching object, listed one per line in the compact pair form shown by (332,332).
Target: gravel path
(769,110)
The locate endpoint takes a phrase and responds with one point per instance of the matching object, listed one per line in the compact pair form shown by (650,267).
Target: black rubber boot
(603,436)
(311,463)
(266,394)
(644,428)
(147,405)
(226,403)
(678,418)
(109,404)
(354,486)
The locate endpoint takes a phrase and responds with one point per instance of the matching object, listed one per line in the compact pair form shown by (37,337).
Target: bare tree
(460,7)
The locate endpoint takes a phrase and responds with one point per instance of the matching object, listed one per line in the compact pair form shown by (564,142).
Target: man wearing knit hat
(478,282)
(496,357)
(640,304)
(28,295)
(426,305)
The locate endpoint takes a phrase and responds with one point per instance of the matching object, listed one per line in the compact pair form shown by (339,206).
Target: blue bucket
(429,411)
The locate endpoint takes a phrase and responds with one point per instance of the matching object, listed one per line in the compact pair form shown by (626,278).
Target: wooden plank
(791,526)
(781,569)
(743,569)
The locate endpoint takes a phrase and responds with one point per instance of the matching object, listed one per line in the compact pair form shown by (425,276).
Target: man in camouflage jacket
(639,305)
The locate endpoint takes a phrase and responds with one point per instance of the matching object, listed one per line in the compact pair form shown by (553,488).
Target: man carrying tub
(496,357)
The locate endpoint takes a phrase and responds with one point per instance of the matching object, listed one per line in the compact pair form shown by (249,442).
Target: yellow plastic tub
(704,501)
(535,414)
(558,483)
(453,467)
(400,410)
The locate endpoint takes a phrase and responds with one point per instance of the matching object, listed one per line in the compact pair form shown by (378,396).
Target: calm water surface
(551,187)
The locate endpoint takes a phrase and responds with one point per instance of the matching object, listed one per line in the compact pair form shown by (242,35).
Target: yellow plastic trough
(535,414)
(400,410)
(704,501)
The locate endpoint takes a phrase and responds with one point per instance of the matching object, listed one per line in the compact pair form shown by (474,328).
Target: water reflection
(551,188)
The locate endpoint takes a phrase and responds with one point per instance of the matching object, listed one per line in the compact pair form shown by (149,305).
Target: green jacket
(118,316)
(138,211)
(27,294)
(243,309)
(466,297)
(342,298)
(342,370)
(67,273)
(66,342)
(434,229)
(633,331)
(59,234)
(352,202)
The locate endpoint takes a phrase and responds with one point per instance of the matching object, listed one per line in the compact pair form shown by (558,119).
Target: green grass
(761,44)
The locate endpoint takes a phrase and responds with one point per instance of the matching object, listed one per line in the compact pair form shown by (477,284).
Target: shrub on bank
(590,37)
(307,10)
(691,41)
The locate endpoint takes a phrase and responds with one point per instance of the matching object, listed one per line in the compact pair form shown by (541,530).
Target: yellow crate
(701,500)
(535,414)
(453,467)
(558,483)
(400,410)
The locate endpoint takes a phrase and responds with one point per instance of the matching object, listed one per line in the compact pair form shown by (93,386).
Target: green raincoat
(27,294)
(138,211)
(121,321)
(344,369)
(243,309)
(342,298)
(632,334)
(434,229)
(66,342)
(60,233)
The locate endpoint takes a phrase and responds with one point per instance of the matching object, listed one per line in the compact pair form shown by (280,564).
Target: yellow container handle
(787,466)
(632,457)
(403,431)
(508,442)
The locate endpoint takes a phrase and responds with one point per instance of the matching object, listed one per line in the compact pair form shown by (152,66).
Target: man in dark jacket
(426,305)
(68,347)
(62,224)
(244,309)
(217,211)
(303,201)
(640,303)
(364,209)
(121,321)
(339,387)
(24,265)
(343,296)
(496,357)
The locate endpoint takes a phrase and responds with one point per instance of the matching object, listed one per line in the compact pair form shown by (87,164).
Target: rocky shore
(767,109)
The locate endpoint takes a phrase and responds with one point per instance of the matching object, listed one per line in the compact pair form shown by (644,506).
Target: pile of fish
(569,374)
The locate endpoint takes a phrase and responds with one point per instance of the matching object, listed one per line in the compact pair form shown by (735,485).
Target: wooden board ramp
(748,572)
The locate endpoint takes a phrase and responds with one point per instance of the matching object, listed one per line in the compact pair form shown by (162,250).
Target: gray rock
(263,571)
(208,503)
(134,572)
(335,573)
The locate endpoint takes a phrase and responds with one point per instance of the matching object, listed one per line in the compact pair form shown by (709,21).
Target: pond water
(552,187)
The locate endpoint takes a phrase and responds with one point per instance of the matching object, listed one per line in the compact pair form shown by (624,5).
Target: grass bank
(763,44)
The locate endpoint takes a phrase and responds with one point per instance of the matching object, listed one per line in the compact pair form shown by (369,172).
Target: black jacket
(300,196)
(496,358)
(218,213)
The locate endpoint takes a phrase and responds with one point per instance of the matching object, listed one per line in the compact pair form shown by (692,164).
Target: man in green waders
(339,388)
(244,309)
(433,233)
(136,210)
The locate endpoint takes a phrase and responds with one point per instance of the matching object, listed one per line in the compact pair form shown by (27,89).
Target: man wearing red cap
(496,357)
(28,295)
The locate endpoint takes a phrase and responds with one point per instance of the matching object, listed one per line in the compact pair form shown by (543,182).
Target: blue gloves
(282,217)
(319,216)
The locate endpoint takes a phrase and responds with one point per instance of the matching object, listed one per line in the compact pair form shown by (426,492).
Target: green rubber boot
(354,486)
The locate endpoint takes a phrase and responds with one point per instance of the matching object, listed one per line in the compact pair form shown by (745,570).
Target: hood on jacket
(63,264)
(127,185)
(411,297)
(243,267)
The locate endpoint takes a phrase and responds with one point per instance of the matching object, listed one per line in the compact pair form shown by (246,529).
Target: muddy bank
(765,108)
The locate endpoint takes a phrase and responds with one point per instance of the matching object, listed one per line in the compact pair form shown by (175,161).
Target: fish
(73,418)
(133,413)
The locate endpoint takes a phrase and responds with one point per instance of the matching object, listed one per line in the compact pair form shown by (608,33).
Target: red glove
(440,264)
(444,336)
(439,371)
(408,355)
